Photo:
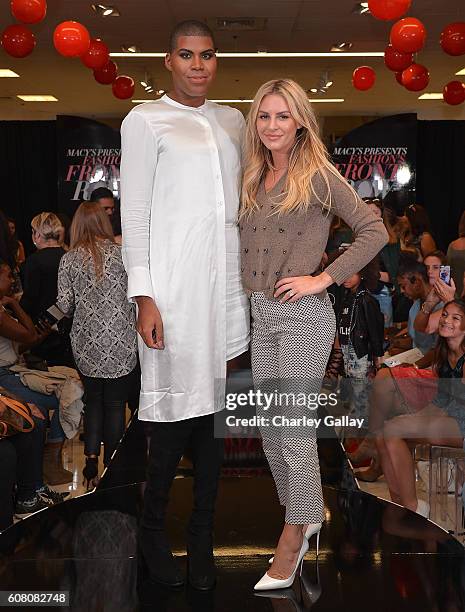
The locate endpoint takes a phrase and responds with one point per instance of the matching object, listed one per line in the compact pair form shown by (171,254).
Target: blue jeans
(384,299)
(12,382)
(356,377)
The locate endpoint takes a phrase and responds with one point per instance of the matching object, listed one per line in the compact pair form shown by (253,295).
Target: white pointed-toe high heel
(311,529)
(267,583)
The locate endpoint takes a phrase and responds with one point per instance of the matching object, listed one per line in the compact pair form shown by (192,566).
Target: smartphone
(52,316)
(444,274)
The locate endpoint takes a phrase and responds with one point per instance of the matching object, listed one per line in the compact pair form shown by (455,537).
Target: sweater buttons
(289,269)
(264,228)
(299,233)
(246,250)
(254,229)
(281,231)
(263,273)
(284,252)
(242,269)
(254,273)
(265,250)
(277,273)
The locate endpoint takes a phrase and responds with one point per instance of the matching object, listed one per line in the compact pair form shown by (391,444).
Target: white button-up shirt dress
(180,187)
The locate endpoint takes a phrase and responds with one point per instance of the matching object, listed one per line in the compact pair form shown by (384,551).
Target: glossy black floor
(374,556)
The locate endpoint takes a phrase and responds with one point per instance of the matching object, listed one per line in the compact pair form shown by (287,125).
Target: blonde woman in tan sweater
(291,192)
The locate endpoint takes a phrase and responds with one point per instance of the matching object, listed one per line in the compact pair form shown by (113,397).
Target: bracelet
(424,310)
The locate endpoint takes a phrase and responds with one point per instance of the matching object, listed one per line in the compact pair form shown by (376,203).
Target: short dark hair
(439,255)
(101,192)
(190,27)
(410,267)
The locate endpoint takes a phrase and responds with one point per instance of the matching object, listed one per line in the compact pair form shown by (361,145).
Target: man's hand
(149,323)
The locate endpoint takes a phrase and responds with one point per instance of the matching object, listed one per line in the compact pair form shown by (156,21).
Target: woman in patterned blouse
(92,287)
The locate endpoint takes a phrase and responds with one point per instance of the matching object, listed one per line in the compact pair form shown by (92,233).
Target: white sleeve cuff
(139,283)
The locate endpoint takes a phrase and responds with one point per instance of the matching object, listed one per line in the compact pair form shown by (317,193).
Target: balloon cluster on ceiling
(408,36)
(71,39)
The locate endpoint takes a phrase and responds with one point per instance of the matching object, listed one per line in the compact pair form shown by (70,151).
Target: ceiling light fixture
(106,10)
(265,55)
(35,98)
(6,73)
(431,96)
(130,49)
(361,8)
(341,47)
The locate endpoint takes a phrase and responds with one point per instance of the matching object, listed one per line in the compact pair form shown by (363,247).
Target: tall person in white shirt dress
(180,185)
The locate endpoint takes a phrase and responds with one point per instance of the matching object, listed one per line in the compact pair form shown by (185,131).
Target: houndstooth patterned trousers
(291,343)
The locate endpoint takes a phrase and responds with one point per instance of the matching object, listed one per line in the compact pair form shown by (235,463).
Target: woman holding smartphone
(291,192)
(92,286)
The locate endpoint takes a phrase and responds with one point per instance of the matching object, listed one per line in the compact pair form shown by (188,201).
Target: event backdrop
(89,156)
(379,159)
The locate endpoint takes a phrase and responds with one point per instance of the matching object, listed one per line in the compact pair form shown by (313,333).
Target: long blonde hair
(90,226)
(307,158)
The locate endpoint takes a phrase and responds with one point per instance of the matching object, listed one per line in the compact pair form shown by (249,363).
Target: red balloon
(71,39)
(415,77)
(388,9)
(408,35)
(107,74)
(363,78)
(123,87)
(453,38)
(396,60)
(18,40)
(29,11)
(399,78)
(97,55)
(454,93)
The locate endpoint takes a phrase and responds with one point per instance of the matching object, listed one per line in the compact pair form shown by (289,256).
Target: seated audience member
(104,197)
(8,252)
(433,263)
(456,257)
(441,422)
(17,328)
(20,253)
(92,286)
(420,225)
(21,487)
(413,283)
(40,274)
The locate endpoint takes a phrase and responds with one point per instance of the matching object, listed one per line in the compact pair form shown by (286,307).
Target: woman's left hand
(293,288)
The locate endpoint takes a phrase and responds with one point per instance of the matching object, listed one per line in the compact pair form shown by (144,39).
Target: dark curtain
(28,172)
(440,176)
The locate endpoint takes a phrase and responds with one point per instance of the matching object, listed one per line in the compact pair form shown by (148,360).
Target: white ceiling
(291,25)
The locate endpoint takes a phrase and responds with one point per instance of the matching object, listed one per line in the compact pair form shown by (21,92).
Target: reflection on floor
(373,555)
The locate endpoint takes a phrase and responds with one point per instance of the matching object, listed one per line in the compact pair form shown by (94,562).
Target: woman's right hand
(149,323)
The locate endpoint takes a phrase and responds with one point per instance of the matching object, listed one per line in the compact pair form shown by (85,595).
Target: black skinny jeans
(104,405)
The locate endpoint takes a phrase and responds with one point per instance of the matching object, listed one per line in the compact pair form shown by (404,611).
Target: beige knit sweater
(274,247)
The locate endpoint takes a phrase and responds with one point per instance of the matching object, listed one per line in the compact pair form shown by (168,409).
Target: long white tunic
(180,185)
